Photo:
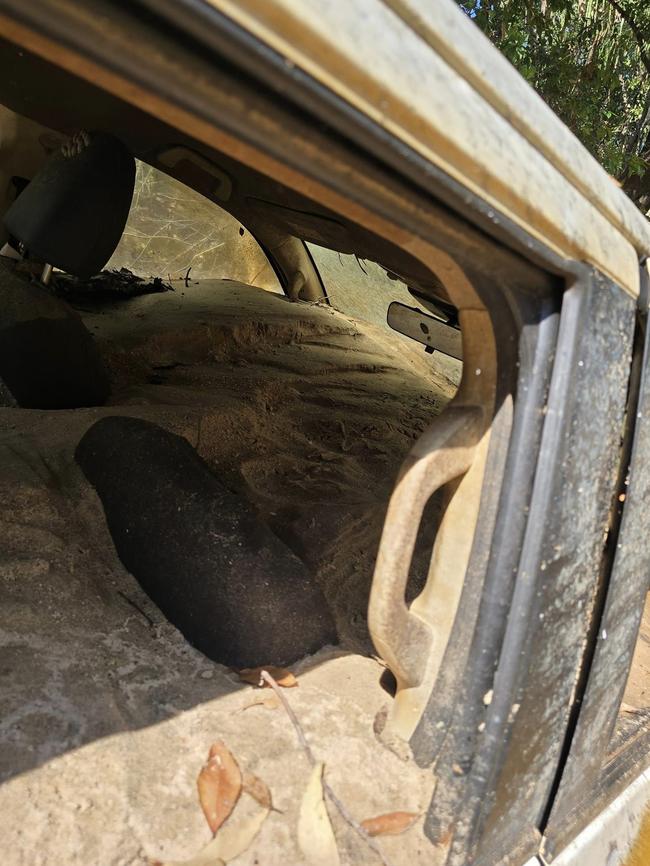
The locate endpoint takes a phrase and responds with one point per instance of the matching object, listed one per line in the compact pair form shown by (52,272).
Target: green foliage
(590,60)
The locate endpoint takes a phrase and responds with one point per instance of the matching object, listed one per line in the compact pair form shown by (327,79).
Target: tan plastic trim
(412,640)
(371,58)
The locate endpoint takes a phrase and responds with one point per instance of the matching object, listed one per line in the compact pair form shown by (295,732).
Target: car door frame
(401,178)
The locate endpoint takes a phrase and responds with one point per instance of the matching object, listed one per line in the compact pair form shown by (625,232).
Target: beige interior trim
(372,59)
(200,130)
(453,452)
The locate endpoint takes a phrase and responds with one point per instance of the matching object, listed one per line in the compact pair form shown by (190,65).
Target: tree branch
(266,677)
(636,30)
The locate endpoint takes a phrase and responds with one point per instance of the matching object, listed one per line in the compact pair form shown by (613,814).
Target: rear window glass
(172,229)
(358,287)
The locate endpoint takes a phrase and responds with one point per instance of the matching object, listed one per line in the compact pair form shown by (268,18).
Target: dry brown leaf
(257,789)
(231,841)
(315,835)
(219,784)
(282,676)
(390,824)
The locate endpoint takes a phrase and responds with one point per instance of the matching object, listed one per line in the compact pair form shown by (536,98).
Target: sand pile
(107,712)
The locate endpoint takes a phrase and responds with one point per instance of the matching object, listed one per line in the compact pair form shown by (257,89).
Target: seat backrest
(73,212)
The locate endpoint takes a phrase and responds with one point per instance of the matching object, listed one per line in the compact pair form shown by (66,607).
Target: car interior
(202,372)
(53,224)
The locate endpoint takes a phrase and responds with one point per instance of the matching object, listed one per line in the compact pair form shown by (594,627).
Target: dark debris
(114,285)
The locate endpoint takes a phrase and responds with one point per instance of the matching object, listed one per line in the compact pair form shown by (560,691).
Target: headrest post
(46,275)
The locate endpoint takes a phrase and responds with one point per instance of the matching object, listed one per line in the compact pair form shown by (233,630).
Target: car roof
(426,74)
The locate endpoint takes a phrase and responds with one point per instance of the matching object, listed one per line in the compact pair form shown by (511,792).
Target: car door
(366,111)
(607,744)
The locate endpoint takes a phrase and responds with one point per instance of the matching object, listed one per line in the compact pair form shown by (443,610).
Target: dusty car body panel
(470,133)
(418,81)
(618,836)
(587,784)
(472,55)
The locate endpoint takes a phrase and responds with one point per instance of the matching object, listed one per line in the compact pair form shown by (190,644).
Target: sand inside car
(305,412)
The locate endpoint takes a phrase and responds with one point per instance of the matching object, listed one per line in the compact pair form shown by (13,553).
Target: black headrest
(73,212)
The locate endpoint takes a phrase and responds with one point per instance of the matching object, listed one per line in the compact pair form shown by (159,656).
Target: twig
(343,810)
(266,676)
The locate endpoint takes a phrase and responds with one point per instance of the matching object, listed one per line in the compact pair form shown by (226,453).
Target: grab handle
(443,453)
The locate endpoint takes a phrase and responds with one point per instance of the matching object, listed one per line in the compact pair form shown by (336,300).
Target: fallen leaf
(271,702)
(282,676)
(234,839)
(390,824)
(257,789)
(219,784)
(315,835)
(231,841)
